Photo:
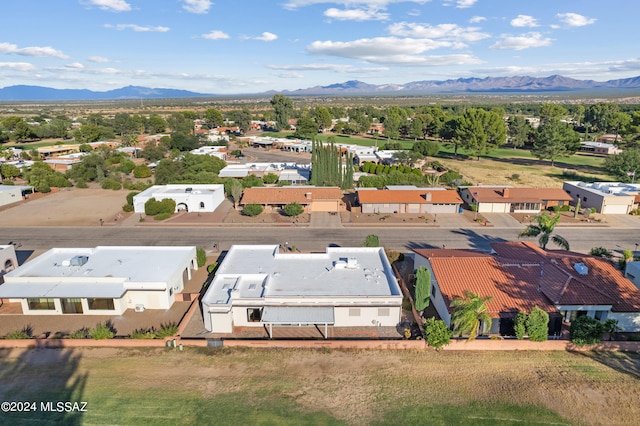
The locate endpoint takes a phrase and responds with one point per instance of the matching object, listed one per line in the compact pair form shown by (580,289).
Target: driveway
(502,220)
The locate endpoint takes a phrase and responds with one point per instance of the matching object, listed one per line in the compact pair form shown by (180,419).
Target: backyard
(295,386)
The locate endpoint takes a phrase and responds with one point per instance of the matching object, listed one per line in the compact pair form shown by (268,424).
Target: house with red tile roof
(506,199)
(312,198)
(401,201)
(520,275)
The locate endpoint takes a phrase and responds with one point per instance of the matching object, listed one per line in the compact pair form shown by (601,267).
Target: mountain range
(518,84)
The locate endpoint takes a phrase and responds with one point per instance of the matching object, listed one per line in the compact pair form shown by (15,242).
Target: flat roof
(133,264)
(261,271)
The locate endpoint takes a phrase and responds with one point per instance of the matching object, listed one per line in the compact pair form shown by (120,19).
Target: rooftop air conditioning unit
(139,308)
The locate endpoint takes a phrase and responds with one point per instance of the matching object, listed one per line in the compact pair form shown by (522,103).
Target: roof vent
(581,268)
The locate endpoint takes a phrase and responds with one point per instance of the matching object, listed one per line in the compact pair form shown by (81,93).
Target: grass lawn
(297,387)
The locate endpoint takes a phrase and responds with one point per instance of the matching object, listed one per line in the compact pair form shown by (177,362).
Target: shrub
(81,183)
(111,183)
(25,333)
(293,209)
(270,178)
(252,209)
(201,257)
(162,216)
(437,332)
(371,240)
(102,331)
(538,325)
(83,333)
(44,188)
(406,304)
(130,197)
(127,208)
(601,252)
(520,325)
(153,207)
(586,331)
(167,330)
(557,209)
(212,267)
(392,255)
(58,180)
(8,182)
(127,166)
(143,333)
(449,176)
(142,171)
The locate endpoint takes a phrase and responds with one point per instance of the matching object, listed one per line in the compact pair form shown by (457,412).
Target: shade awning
(298,315)
(58,290)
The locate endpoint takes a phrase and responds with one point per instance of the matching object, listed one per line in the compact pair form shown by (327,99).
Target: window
(433,290)
(354,312)
(254,314)
(383,312)
(100,304)
(8,265)
(584,199)
(41,304)
(202,204)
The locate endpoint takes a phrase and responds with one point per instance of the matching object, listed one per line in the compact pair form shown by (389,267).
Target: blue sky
(250,46)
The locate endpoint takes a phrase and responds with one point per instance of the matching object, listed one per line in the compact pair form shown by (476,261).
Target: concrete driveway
(502,220)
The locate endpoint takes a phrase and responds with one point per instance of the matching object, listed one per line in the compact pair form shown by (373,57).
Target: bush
(8,182)
(565,208)
(167,330)
(212,267)
(520,325)
(127,208)
(252,209)
(586,331)
(371,240)
(25,333)
(449,176)
(601,252)
(83,333)
(130,197)
(81,183)
(437,332)
(44,188)
(293,209)
(143,333)
(162,216)
(201,257)
(127,166)
(142,171)
(538,325)
(102,331)
(270,178)
(111,183)
(153,207)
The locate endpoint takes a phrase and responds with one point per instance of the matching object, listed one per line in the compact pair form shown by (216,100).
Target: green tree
(538,325)
(142,171)
(600,116)
(423,288)
(543,229)
(519,130)
(470,315)
(293,209)
(437,333)
(407,158)
(550,112)
(213,117)
(242,119)
(520,325)
(306,128)
(155,124)
(270,178)
(480,131)
(621,165)
(9,171)
(252,209)
(322,117)
(555,139)
(426,148)
(283,108)
(371,240)
(234,190)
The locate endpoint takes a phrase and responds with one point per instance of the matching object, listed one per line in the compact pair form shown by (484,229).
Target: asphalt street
(306,239)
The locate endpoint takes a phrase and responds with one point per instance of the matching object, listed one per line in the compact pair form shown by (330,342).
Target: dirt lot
(67,207)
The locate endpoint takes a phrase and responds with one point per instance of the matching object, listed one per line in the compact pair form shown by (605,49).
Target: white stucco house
(10,194)
(191,198)
(100,280)
(605,197)
(8,260)
(257,286)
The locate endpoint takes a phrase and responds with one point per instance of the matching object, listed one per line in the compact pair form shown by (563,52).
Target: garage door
(413,208)
(615,209)
(324,206)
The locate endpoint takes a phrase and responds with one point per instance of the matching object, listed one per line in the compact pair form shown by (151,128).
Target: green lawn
(323,387)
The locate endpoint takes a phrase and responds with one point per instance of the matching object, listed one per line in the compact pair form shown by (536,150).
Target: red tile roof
(522,276)
(409,196)
(517,195)
(284,195)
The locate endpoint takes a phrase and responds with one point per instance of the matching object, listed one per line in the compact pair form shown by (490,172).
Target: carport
(297,316)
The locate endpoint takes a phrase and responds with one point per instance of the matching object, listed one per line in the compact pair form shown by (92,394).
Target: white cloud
(476,19)
(575,20)
(137,28)
(17,66)
(266,36)
(356,14)
(75,66)
(98,59)
(460,4)
(328,67)
(391,50)
(288,75)
(381,4)
(197,6)
(451,32)
(11,48)
(524,21)
(215,35)
(112,5)
(524,41)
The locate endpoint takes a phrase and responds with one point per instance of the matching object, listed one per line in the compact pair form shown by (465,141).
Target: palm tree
(470,315)
(544,228)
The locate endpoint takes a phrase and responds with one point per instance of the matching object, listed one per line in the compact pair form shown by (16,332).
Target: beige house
(313,199)
(506,199)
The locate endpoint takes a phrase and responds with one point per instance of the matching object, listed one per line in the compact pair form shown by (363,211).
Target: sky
(252,46)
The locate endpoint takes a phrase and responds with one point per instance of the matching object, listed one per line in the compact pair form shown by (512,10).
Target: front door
(71,306)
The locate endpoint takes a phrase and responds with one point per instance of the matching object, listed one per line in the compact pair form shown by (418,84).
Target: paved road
(307,239)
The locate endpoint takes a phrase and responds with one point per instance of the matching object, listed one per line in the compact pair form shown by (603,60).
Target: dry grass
(354,387)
